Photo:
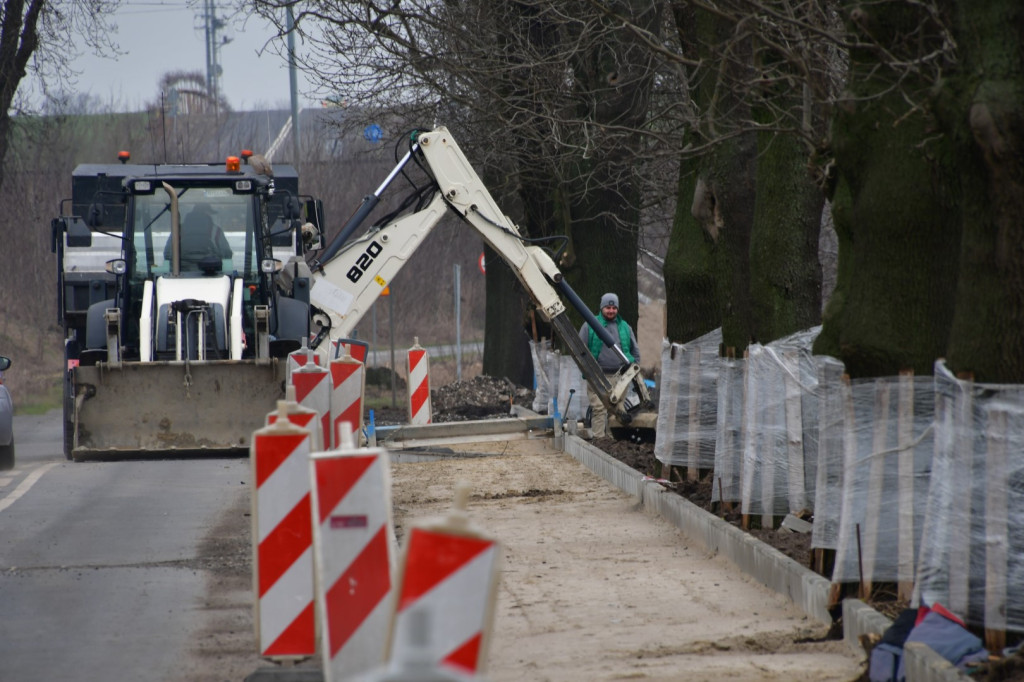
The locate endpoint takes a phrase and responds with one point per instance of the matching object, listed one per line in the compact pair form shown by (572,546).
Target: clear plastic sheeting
(728,431)
(780,430)
(540,352)
(688,403)
(887,461)
(833,394)
(972,550)
(567,380)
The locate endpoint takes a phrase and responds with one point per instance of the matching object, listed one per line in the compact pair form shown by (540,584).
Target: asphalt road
(125,570)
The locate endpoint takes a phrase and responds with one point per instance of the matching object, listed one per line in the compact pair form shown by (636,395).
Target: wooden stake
(865,588)
(693,425)
(905,452)
(996,531)
(794,433)
(868,552)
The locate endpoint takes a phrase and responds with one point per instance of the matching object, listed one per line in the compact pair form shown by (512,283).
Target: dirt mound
(477,398)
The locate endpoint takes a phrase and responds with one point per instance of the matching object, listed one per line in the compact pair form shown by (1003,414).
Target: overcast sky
(159,36)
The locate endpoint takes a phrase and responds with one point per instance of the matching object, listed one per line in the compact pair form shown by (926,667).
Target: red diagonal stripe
(351,414)
(299,638)
(306,382)
(342,370)
(302,419)
(433,557)
(358,351)
(285,544)
(271,450)
(335,477)
(465,657)
(358,591)
(414,358)
(419,397)
(325,427)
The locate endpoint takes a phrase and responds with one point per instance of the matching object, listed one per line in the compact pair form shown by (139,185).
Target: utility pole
(213,26)
(294,90)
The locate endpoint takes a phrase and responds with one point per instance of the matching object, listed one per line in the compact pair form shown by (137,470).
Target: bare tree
(41,37)
(549,99)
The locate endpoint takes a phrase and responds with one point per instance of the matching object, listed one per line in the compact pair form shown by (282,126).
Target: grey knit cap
(609,299)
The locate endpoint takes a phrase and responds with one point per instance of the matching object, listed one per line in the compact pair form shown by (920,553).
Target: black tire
(69,415)
(7,456)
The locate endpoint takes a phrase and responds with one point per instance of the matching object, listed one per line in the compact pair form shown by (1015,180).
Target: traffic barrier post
(299,415)
(282,540)
(352,538)
(419,384)
(448,576)
(313,390)
(348,386)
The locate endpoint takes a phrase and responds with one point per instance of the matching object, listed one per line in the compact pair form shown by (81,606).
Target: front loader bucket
(209,407)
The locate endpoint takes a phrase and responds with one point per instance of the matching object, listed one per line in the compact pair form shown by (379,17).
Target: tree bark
(785,275)
(19,38)
(895,206)
(985,119)
(691,292)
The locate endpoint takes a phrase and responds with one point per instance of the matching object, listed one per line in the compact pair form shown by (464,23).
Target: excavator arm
(350,275)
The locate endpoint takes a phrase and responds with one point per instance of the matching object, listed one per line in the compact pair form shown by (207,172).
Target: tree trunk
(986,121)
(18,41)
(691,294)
(615,81)
(895,207)
(692,306)
(506,344)
(785,275)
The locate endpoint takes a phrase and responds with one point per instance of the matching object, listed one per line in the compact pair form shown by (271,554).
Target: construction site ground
(595,588)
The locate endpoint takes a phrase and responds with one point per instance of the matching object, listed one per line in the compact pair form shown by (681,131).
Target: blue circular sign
(373,133)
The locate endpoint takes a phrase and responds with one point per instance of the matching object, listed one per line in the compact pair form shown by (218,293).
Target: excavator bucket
(140,409)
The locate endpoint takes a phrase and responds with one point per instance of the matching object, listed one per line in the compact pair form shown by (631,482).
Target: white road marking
(26,485)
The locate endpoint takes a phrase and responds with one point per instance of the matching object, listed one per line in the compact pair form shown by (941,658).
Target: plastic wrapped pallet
(688,402)
(887,462)
(972,550)
(540,352)
(828,486)
(728,431)
(780,434)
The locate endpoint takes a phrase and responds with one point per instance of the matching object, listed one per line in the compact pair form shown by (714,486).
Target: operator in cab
(201,238)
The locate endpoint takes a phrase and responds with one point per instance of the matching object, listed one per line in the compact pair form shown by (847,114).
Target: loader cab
(215,227)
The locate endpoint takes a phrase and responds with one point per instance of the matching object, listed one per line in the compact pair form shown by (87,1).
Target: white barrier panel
(282,541)
(449,578)
(351,544)
(419,384)
(313,390)
(348,384)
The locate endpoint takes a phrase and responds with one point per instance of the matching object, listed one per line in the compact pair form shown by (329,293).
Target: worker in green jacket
(608,359)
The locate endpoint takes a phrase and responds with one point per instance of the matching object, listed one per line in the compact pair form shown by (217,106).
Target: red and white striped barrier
(348,384)
(303,417)
(357,349)
(301,358)
(352,548)
(283,540)
(419,384)
(313,390)
(449,578)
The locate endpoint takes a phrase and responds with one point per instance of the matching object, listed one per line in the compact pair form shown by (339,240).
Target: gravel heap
(477,398)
